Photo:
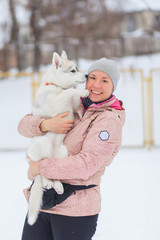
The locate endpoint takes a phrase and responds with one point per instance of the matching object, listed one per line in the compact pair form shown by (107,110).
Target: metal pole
(150,141)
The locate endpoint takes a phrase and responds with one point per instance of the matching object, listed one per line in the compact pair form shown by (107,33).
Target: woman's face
(99,85)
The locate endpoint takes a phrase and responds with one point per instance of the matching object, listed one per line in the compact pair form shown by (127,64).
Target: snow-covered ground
(130,187)
(130,196)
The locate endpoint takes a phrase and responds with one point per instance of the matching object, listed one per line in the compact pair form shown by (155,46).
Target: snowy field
(130,187)
(130,196)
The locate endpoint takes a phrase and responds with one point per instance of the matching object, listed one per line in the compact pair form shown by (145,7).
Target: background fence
(139,93)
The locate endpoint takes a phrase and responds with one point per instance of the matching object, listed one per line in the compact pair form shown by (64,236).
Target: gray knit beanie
(108,66)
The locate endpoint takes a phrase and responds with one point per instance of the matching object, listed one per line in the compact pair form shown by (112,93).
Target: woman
(92,143)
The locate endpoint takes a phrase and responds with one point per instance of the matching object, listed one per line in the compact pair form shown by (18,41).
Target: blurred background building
(32,29)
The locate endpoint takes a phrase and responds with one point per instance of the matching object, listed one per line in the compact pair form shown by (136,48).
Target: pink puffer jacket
(92,144)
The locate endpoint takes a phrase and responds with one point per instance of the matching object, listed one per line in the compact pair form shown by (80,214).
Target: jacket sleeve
(29,126)
(100,146)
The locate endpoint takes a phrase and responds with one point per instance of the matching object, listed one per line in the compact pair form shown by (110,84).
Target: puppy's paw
(58,187)
(47,183)
(85,93)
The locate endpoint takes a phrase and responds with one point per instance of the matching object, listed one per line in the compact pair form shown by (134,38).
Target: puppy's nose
(86,76)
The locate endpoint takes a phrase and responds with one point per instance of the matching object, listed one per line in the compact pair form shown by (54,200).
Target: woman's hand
(57,124)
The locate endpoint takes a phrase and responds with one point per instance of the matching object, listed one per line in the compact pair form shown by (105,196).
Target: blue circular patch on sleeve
(104,135)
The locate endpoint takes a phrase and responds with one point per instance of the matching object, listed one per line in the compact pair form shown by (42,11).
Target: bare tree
(35,9)
(14,37)
(84,28)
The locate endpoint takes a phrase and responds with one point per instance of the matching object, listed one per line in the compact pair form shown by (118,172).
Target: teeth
(96,92)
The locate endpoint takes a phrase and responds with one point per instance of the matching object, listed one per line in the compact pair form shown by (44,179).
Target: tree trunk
(14,38)
(36,31)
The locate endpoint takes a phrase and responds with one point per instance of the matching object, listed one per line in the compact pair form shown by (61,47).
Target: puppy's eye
(73,71)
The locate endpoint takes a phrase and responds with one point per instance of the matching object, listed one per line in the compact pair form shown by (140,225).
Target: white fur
(50,101)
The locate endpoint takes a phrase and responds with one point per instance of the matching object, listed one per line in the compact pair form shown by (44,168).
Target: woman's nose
(96,84)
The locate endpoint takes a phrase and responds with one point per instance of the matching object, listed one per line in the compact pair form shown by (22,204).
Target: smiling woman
(102,79)
(92,143)
(99,85)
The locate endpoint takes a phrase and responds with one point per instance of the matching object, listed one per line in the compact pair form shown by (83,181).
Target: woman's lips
(95,92)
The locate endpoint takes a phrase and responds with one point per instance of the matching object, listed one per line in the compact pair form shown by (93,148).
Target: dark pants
(57,227)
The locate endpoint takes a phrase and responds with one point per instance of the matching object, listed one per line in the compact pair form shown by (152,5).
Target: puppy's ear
(64,55)
(56,60)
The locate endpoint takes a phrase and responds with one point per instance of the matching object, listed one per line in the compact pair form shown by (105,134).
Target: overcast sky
(131,5)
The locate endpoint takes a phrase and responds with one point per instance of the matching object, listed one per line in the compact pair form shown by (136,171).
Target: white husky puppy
(55,95)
